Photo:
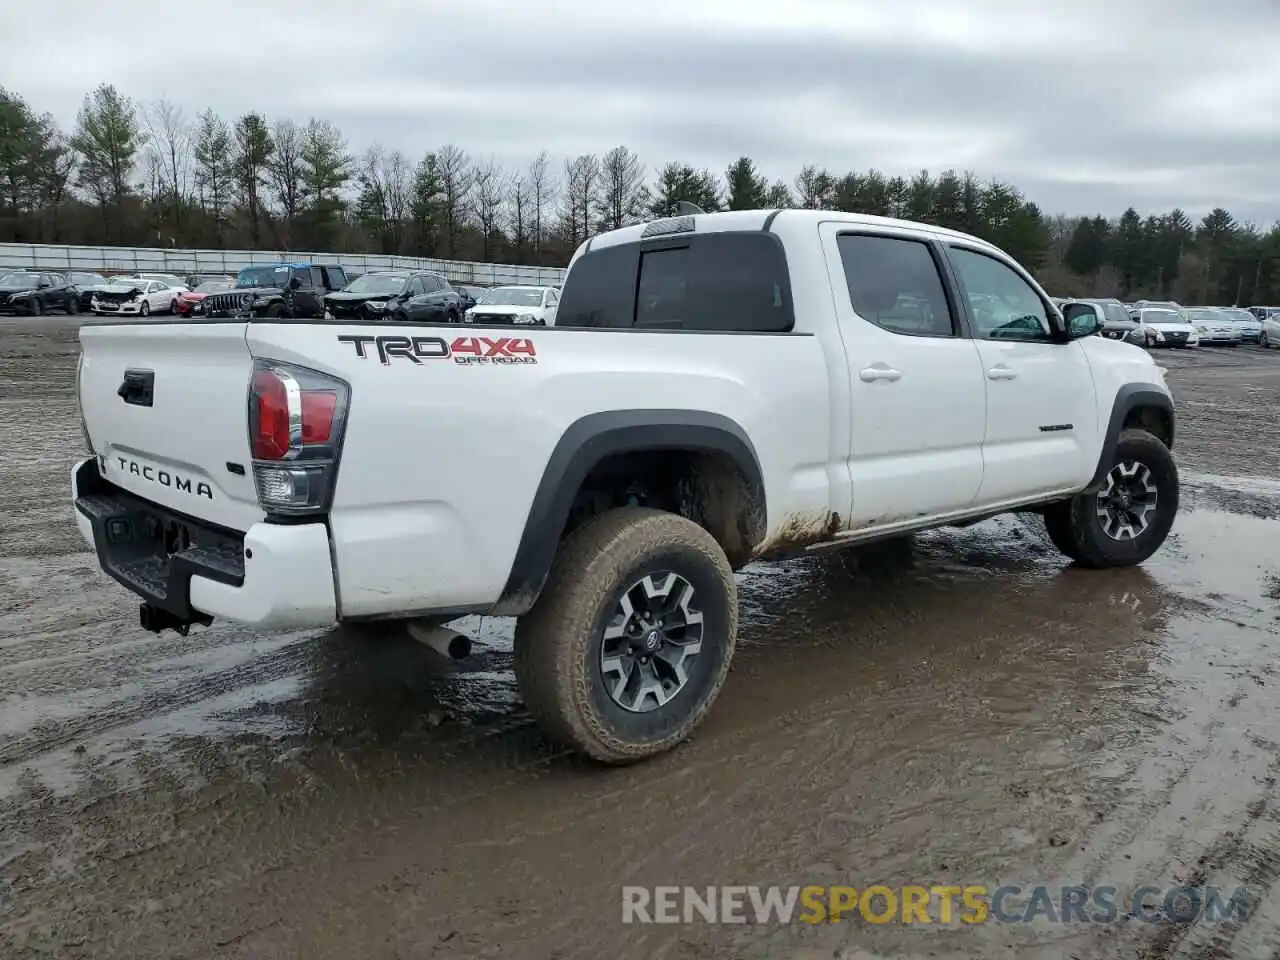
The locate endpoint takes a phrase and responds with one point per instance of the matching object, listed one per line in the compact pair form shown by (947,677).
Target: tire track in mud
(187,691)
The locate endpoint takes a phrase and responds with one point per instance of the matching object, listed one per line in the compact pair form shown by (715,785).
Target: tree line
(147,174)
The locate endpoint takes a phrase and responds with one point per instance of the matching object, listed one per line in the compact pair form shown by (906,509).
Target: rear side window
(601,288)
(730,282)
(895,284)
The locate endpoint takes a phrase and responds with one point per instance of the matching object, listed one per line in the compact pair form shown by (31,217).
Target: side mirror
(1082,320)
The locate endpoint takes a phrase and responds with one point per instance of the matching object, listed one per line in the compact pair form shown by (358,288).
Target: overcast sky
(1088,105)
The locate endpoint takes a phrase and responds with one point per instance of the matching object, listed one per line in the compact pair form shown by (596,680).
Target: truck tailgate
(166,409)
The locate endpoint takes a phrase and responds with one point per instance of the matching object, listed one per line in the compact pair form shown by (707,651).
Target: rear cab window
(895,285)
(735,282)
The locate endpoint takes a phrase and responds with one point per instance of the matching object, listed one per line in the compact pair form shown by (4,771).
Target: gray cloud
(1154,103)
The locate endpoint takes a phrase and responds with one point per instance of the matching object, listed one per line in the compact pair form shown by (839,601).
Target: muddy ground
(963,709)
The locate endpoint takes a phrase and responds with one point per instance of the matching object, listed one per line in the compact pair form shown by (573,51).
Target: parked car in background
(1250,327)
(403,295)
(191,302)
(515,304)
(33,293)
(293,290)
(1162,327)
(1269,336)
(133,296)
(86,284)
(469,294)
(1213,328)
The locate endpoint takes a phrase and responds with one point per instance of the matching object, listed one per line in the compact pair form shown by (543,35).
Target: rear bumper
(271,576)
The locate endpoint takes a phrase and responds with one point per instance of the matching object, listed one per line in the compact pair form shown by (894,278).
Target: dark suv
(295,290)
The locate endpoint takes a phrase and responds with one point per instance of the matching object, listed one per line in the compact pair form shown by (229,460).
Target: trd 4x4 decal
(464,350)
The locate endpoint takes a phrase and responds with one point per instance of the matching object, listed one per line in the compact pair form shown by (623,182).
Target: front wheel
(145,309)
(1262,340)
(1128,520)
(73,306)
(630,641)
(37,308)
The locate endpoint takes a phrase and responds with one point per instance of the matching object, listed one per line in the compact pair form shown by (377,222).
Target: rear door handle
(1001,372)
(878,371)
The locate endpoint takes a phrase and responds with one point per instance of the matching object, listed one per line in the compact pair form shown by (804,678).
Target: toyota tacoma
(717,388)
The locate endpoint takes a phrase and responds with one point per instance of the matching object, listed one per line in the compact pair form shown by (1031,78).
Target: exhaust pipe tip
(447,643)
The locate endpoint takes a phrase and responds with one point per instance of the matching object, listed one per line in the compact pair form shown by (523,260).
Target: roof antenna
(684,208)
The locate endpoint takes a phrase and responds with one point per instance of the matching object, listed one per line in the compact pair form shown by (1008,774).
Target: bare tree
(286,171)
(169,136)
(623,195)
(386,195)
(456,178)
(581,186)
(541,195)
(519,199)
(490,187)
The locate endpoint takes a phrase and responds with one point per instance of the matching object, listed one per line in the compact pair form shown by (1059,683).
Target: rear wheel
(1128,520)
(630,641)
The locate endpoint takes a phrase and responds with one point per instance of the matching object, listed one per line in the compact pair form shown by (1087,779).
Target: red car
(188,301)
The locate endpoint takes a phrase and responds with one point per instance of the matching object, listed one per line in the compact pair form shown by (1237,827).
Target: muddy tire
(1128,520)
(622,688)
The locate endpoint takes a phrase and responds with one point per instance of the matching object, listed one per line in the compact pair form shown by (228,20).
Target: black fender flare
(1130,397)
(584,444)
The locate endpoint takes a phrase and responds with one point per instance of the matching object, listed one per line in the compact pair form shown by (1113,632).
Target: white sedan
(134,296)
(1165,328)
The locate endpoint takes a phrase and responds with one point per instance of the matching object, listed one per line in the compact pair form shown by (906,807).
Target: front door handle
(878,371)
(1001,372)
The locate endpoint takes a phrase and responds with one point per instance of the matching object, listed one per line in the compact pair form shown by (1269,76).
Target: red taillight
(270,438)
(296,421)
(318,408)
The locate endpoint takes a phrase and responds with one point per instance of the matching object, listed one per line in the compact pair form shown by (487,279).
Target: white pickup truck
(717,388)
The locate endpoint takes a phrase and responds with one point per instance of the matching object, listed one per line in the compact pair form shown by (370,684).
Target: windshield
(87,279)
(213,286)
(1241,315)
(1203,315)
(1116,313)
(512,297)
(377,283)
(263,277)
(1161,316)
(20,278)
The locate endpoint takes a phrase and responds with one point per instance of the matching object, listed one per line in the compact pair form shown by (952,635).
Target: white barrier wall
(159,260)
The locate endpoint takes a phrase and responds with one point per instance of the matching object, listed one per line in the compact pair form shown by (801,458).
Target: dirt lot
(962,709)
